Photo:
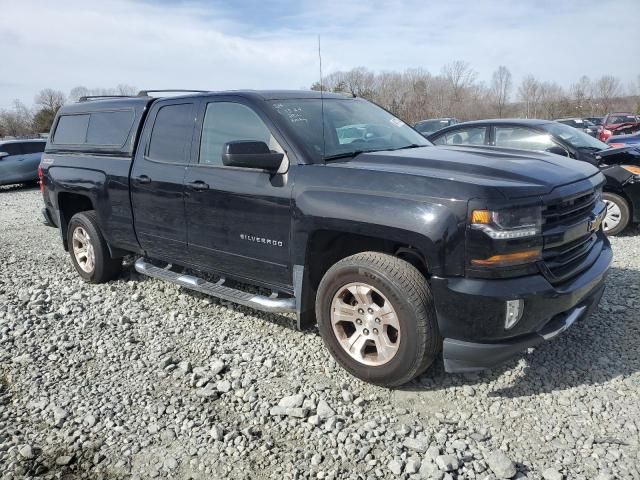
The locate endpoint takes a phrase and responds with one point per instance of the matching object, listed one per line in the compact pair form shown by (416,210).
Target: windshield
(574,137)
(431,126)
(350,126)
(621,119)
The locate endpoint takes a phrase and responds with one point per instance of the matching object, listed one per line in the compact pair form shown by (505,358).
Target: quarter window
(171,134)
(226,122)
(523,138)
(71,129)
(109,128)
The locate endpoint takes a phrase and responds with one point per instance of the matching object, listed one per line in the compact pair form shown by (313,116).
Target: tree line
(22,121)
(417,94)
(412,95)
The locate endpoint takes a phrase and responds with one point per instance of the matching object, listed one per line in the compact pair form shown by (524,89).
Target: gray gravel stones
(448,463)
(501,465)
(395,466)
(552,474)
(26,452)
(141,379)
(419,444)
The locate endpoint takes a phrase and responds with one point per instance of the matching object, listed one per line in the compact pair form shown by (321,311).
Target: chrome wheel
(365,324)
(83,250)
(613,216)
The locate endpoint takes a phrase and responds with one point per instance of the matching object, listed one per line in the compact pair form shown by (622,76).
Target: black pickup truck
(333,209)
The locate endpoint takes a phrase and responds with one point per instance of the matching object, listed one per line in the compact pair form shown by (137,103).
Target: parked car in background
(581,124)
(624,140)
(427,127)
(618,124)
(595,120)
(19,160)
(621,166)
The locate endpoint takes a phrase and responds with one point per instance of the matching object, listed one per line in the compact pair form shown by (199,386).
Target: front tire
(618,214)
(88,249)
(376,316)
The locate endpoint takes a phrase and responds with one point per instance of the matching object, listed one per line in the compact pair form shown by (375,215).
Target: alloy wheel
(83,250)
(365,324)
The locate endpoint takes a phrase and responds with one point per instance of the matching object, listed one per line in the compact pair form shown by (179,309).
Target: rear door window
(71,129)
(522,138)
(171,135)
(463,136)
(109,128)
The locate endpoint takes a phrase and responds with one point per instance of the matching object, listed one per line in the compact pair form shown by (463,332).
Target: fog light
(513,313)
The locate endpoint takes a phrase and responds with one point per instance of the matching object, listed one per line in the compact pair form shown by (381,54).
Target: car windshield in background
(351,126)
(432,126)
(574,137)
(621,119)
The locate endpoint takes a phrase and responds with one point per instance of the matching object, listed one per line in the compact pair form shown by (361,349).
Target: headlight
(508,224)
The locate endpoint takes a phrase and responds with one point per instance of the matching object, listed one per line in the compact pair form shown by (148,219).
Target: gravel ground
(142,379)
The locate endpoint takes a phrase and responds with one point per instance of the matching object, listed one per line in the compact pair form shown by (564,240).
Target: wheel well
(325,248)
(69,204)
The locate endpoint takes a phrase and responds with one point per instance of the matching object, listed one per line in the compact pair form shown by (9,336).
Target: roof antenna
(324,144)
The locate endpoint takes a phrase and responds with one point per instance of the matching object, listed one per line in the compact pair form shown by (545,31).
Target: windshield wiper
(413,145)
(352,154)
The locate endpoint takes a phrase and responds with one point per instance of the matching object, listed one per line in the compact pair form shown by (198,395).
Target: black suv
(333,209)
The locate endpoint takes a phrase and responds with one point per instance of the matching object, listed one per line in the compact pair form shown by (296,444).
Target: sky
(216,45)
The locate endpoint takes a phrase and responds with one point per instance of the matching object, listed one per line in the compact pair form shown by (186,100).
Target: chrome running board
(259,302)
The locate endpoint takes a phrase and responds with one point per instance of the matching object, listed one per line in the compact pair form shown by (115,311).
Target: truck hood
(514,173)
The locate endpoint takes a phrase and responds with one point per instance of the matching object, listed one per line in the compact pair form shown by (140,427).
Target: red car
(618,124)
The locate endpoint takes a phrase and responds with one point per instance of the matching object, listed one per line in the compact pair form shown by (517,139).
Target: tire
(88,244)
(618,214)
(400,354)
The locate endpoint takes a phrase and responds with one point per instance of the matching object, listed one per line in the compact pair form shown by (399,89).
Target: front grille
(564,253)
(568,211)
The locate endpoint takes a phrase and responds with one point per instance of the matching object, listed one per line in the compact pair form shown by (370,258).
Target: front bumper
(471,313)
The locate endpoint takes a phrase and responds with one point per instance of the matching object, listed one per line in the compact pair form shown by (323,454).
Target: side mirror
(3,154)
(251,154)
(558,150)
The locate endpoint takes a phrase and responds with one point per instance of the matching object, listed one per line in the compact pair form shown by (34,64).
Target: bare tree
(50,99)
(77,93)
(501,88)
(460,76)
(529,93)
(607,88)
(16,122)
(125,89)
(582,96)
(554,101)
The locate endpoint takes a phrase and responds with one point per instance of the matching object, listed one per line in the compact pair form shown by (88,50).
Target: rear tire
(376,316)
(618,214)
(89,251)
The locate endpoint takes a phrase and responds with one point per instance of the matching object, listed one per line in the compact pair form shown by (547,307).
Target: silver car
(19,160)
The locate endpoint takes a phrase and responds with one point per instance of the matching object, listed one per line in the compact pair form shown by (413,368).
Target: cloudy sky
(273,43)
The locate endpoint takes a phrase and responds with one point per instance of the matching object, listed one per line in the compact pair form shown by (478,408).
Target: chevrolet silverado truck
(330,208)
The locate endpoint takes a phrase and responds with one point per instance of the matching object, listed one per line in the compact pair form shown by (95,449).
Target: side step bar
(217,289)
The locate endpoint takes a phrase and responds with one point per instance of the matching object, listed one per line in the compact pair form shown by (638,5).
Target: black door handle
(198,185)
(143,179)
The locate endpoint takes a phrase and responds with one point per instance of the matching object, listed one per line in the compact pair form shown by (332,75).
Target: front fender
(434,228)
